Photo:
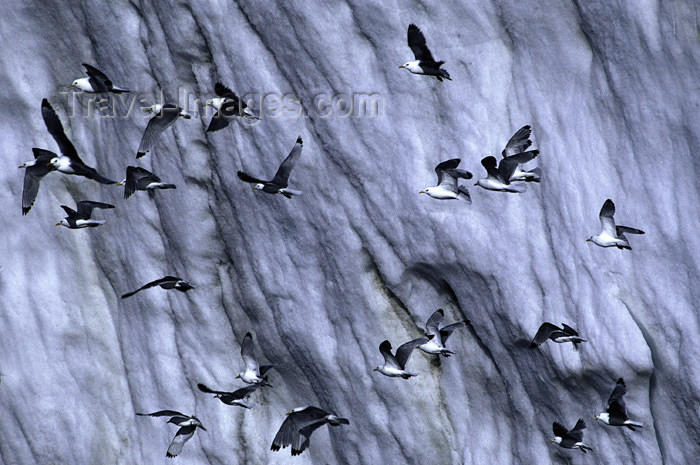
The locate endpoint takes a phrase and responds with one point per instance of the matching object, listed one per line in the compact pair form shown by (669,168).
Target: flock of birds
(508,175)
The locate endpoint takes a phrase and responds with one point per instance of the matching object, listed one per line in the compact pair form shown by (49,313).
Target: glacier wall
(612,94)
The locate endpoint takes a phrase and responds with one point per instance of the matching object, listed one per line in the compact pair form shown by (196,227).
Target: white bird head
(604,417)
(425,191)
(258,186)
(412,66)
(556,440)
(82,84)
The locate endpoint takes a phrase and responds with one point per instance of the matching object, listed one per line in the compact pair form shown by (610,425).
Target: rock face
(612,95)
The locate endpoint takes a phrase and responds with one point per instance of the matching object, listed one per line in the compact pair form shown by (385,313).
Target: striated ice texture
(612,92)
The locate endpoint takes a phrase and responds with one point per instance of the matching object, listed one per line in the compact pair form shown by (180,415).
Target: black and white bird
(35,170)
(227,106)
(96,82)
(168,282)
(165,116)
(68,162)
(188,425)
(516,150)
(556,334)
(140,179)
(616,413)
(300,423)
(395,365)
(612,235)
(438,336)
(81,218)
(278,185)
(447,188)
(252,374)
(570,439)
(236,397)
(424,62)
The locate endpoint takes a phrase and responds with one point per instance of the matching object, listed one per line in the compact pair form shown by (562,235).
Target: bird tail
(633,424)
(119,90)
(534,175)
(290,192)
(584,448)
(408,375)
(96,223)
(335,421)
(167,186)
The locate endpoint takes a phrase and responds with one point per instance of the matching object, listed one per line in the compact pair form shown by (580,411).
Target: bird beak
(376,369)
(71,85)
(238,376)
(288,413)
(58,224)
(120,183)
(402,66)
(595,418)
(588,240)
(422,192)
(21,166)
(551,441)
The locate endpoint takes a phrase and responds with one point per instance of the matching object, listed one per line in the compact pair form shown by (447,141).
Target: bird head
(410,65)
(556,440)
(258,186)
(54,161)
(604,417)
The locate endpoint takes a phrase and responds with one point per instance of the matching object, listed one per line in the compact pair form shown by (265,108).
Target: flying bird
(168,282)
(570,439)
(424,62)
(81,218)
(612,235)
(278,185)
(395,366)
(140,179)
(96,82)
(188,425)
(165,115)
(498,177)
(68,162)
(616,413)
(438,336)
(300,423)
(35,170)
(516,150)
(556,334)
(252,374)
(447,188)
(227,105)
(236,397)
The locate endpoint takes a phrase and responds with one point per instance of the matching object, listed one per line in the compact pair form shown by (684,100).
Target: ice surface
(611,90)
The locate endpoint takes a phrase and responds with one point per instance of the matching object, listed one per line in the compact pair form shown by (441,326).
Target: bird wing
(85,207)
(247,354)
(524,157)
(403,353)
(506,168)
(576,432)
(569,330)
(559,429)
(181,437)
(248,178)
(607,222)
(626,229)
(204,388)
(70,212)
(164,413)
(416,40)
(131,184)
(218,122)
(447,330)
(433,323)
(282,176)
(293,423)
(301,440)
(156,126)
(389,359)
(616,401)
(223,91)
(264,369)
(447,174)
(543,333)
(101,78)
(53,124)
(244,392)
(490,164)
(519,142)
(157,282)
(32,177)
